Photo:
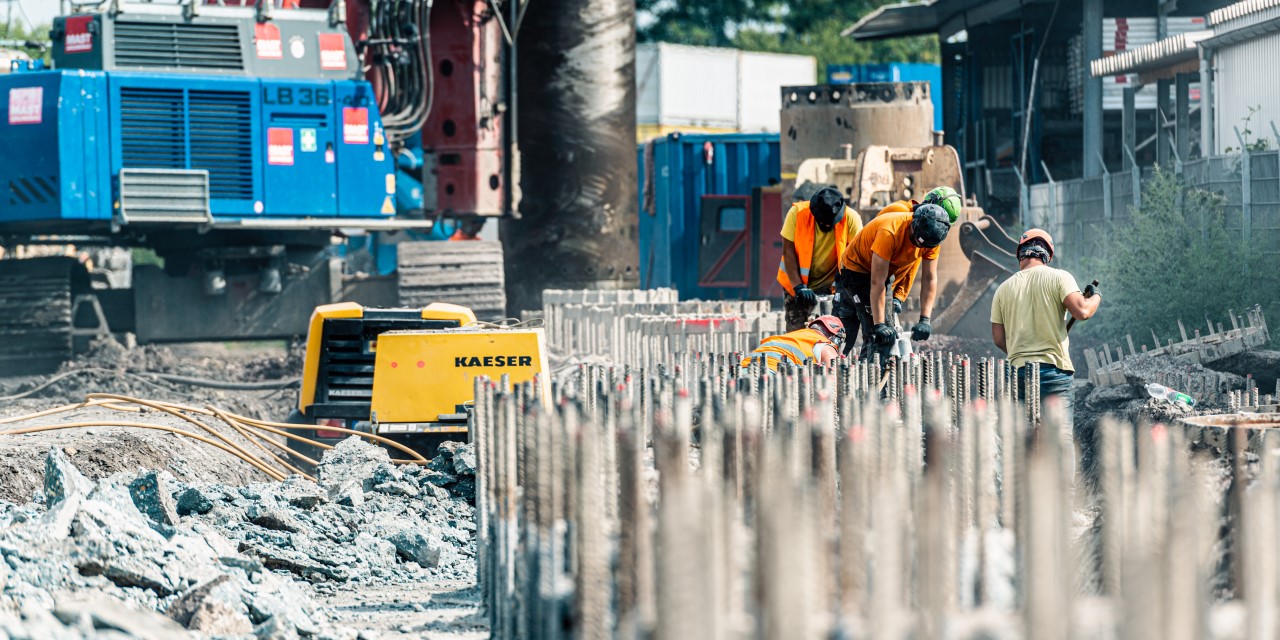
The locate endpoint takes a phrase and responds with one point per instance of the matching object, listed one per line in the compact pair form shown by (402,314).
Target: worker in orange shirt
(893,244)
(820,341)
(814,235)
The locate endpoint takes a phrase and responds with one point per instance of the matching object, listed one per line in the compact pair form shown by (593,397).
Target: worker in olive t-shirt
(1027,318)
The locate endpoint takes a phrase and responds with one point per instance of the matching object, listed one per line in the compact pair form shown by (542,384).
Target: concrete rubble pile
(1182,365)
(142,555)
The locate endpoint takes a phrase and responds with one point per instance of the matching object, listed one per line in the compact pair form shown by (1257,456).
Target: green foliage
(1172,259)
(806,27)
(146,257)
(16,30)
(1254,146)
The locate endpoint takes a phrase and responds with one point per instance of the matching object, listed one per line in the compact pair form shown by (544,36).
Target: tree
(807,27)
(16,31)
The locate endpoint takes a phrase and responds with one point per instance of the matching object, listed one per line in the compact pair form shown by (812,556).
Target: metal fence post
(1246,197)
(1137,178)
(1106,189)
(1024,197)
(1053,217)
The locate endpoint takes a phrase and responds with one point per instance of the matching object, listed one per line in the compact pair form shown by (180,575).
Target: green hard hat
(948,199)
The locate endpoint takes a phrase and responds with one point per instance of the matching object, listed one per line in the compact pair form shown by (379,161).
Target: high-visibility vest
(796,346)
(806,228)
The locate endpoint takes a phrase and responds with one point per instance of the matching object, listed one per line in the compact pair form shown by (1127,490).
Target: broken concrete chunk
(151,494)
(464,457)
(108,613)
(300,492)
(247,565)
(398,488)
(185,606)
(353,458)
(274,519)
(275,629)
(62,479)
(193,501)
(416,547)
(347,494)
(217,618)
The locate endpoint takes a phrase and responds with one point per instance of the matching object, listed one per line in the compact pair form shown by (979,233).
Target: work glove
(1092,290)
(884,334)
(922,330)
(897,306)
(806,296)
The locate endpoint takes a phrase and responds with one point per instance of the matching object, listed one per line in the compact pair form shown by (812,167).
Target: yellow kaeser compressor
(406,374)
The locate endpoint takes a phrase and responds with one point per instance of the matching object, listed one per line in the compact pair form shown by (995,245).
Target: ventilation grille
(201,47)
(33,190)
(152,129)
(164,195)
(222,141)
(175,129)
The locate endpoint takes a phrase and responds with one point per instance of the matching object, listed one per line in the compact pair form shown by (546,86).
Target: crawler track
(35,313)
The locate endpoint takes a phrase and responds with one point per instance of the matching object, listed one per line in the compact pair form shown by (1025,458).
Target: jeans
(1055,382)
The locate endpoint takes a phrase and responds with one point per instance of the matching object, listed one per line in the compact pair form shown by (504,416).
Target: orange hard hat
(1037,234)
(829,324)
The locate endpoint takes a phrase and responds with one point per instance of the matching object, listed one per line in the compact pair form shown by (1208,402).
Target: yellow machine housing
(406,371)
(423,380)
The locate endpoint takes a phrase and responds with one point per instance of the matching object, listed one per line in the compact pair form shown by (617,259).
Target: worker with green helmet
(946,197)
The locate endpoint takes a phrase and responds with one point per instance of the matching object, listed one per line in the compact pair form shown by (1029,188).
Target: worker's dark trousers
(796,313)
(853,307)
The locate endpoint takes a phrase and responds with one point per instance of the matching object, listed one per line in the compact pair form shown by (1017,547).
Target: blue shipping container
(893,72)
(686,167)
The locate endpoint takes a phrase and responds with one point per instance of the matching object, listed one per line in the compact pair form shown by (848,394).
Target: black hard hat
(929,225)
(827,207)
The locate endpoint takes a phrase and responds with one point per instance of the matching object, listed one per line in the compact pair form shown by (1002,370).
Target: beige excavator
(977,254)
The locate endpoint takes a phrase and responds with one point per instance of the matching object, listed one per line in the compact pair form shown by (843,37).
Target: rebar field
(931,498)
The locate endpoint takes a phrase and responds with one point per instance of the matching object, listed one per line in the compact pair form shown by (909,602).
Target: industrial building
(1036,86)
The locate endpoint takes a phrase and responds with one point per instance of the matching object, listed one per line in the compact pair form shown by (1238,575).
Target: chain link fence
(1076,212)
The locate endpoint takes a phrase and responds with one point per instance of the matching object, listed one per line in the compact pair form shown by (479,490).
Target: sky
(39,11)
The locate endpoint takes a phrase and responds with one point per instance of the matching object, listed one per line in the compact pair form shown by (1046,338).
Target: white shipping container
(761,77)
(679,85)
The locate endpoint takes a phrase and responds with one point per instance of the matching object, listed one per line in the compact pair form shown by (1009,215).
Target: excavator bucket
(992,257)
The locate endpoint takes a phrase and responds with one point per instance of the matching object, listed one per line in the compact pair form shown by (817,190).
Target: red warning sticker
(267,42)
(333,51)
(26,105)
(78,39)
(355,125)
(280,146)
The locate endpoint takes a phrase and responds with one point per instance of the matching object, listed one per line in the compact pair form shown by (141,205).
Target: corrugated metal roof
(930,17)
(896,20)
(1240,10)
(1156,55)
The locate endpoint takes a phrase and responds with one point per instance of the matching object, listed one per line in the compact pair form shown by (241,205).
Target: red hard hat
(1037,234)
(830,324)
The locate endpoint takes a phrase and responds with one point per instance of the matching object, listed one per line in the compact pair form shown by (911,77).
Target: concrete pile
(143,555)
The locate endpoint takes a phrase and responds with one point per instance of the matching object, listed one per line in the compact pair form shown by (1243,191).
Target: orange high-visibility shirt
(888,235)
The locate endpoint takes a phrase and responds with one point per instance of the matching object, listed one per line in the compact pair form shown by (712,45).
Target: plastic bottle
(1161,392)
